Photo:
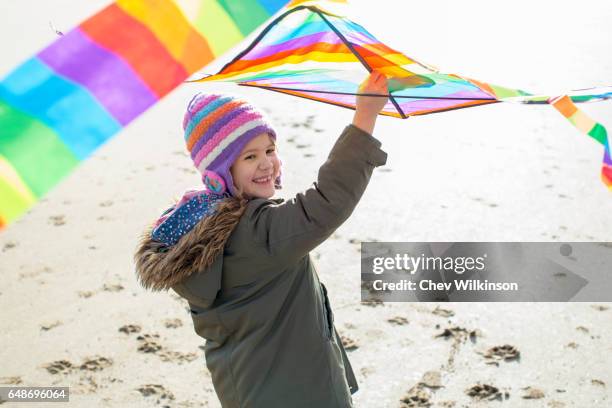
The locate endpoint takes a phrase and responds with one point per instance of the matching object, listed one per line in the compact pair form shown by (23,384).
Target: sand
(74,315)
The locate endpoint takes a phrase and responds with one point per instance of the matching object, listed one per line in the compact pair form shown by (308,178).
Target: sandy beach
(74,315)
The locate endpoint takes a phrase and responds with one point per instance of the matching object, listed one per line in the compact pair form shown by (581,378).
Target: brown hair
(218,227)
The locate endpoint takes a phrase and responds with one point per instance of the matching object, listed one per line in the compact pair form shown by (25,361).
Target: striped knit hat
(217,127)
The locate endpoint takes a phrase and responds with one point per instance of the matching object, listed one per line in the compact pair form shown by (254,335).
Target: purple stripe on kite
(111,80)
(476,93)
(326,36)
(236,146)
(212,130)
(607,159)
(428,104)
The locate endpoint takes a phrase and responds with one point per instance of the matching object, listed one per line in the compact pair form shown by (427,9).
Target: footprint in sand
(116,287)
(155,390)
(9,245)
(532,393)
(398,320)
(130,328)
(459,334)
(148,343)
(59,367)
(96,363)
(14,380)
(501,353)
(85,293)
(372,303)
(438,311)
(486,391)
(416,397)
(176,356)
(572,345)
(365,371)
(173,323)
(348,343)
(58,220)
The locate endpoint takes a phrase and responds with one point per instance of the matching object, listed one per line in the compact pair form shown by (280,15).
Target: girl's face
(256,168)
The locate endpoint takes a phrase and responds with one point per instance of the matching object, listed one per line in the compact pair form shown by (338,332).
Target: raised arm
(287,231)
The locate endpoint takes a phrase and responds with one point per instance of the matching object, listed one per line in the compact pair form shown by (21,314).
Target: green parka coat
(266,317)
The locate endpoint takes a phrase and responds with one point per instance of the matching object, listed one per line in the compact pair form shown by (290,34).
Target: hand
(375,83)
(368,107)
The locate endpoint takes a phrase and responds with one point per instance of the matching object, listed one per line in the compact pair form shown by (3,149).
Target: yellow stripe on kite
(291,59)
(582,121)
(217,27)
(164,19)
(16,196)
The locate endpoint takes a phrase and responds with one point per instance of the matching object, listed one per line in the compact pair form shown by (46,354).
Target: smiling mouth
(262,180)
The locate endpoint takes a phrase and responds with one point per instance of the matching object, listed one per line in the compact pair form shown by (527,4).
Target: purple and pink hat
(217,127)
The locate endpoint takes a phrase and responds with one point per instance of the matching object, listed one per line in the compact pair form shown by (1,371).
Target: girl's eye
(250,156)
(271,150)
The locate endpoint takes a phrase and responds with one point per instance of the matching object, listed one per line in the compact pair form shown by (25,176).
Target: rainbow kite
(62,104)
(311,53)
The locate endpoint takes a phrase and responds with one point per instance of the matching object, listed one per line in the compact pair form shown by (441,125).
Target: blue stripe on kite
(77,117)
(272,6)
(284,31)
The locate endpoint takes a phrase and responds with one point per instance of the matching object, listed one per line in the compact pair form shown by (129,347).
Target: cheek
(239,173)
(277,164)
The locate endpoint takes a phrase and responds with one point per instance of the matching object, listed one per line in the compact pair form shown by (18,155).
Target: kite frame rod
(281,90)
(359,57)
(366,94)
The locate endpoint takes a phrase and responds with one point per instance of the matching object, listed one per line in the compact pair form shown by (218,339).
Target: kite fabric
(64,102)
(314,54)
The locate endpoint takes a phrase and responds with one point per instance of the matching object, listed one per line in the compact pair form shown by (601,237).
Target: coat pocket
(328,330)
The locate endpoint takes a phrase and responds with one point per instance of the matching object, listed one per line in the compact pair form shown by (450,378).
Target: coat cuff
(367,143)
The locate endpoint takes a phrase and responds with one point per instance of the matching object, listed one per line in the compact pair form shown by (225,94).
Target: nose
(266,163)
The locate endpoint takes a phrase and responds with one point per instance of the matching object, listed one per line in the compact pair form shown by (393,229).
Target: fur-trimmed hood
(159,267)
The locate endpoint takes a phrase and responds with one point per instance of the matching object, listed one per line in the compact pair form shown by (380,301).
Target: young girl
(241,259)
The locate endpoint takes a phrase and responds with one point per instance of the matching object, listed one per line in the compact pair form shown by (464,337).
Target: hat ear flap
(277,182)
(213,182)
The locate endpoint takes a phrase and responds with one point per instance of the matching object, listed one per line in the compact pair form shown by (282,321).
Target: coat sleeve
(288,230)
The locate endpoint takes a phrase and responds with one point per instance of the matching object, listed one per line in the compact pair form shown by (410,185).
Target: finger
(380,79)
